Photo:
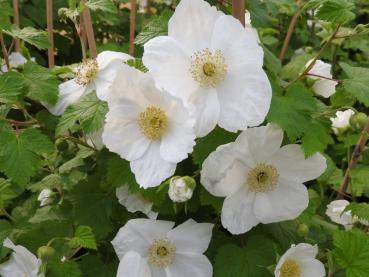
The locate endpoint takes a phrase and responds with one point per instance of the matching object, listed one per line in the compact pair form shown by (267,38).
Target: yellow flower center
(162,253)
(290,268)
(86,72)
(208,68)
(153,122)
(262,178)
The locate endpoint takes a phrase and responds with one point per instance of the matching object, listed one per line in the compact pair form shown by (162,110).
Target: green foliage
(11,85)
(30,35)
(361,210)
(62,269)
(102,5)
(336,11)
(5,12)
(83,237)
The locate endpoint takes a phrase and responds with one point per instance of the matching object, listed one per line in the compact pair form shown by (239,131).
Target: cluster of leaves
(39,151)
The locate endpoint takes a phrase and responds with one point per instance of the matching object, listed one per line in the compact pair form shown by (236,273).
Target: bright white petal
(190,265)
(104,58)
(325,87)
(104,79)
(206,103)
(272,206)
(150,170)
(133,265)
(312,268)
(192,24)
(169,64)
(191,237)
(292,165)
(138,234)
(237,212)
(69,93)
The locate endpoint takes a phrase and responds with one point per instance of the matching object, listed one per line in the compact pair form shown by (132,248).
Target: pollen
(290,268)
(162,253)
(153,122)
(86,72)
(208,68)
(262,178)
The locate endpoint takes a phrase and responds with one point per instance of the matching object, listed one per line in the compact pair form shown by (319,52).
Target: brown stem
(3,212)
(16,22)
(238,10)
(354,160)
(50,32)
(290,30)
(132,27)
(3,49)
(89,32)
(323,77)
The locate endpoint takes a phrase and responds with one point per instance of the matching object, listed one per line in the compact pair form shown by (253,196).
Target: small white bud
(336,212)
(45,197)
(341,122)
(181,188)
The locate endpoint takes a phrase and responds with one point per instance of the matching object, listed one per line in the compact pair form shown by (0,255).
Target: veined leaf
(30,35)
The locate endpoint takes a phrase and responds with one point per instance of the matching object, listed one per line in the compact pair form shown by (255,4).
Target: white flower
(148,127)
(154,247)
(335,211)
(249,27)
(180,190)
(342,120)
(300,260)
(210,60)
(90,75)
(322,87)
(21,263)
(261,181)
(15,60)
(45,197)
(134,202)
(95,139)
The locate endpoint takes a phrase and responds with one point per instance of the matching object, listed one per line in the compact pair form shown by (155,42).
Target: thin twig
(354,160)
(16,22)
(50,32)
(323,77)
(89,31)
(3,212)
(290,30)
(3,49)
(238,10)
(132,27)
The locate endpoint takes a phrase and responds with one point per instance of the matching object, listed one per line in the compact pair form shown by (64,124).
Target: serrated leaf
(336,11)
(102,5)
(119,172)
(11,85)
(5,12)
(359,180)
(30,35)
(295,66)
(158,26)
(361,210)
(316,138)
(78,160)
(41,83)
(20,153)
(138,64)
(207,199)
(83,237)
(253,260)
(89,111)
(6,192)
(63,269)
(47,213)
(351,252)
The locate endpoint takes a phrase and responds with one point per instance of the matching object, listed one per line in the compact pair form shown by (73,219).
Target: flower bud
(341,122)
(359,121)
(181,188)
(45,252)
(302,230)
(45,197)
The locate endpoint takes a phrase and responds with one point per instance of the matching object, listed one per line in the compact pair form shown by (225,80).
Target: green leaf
(78,160)
(119,173)
(41,83)
(158,26)
(102,5)
(138,64)
(292,112)
(47,213)
(336,11)
(351,252)
(357,83)
(204,146)
(253,260)
(89,111)
(207,199)
(20,153)
(63,269)
(31,35)
(83,237)
(11,85)
(316,138)
(6,192)
(361,210)
(359,180)
(295,66)
(5,12)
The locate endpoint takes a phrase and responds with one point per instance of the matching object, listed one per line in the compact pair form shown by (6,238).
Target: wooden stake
(238,10)
(50,32)
(132,27)
(16,22)
(89,31)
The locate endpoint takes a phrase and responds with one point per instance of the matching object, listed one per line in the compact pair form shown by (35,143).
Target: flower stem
(323,77)
(3,212)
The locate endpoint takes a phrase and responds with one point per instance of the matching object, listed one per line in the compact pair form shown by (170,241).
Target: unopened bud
(358,121)
(45,252)
(302,230)
(181,188)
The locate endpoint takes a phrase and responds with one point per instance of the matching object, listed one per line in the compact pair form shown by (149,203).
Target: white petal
(191,237)
(133,265)
(169,64)
(192,24)
(190,265)
(16,59)
(138,234)
(285,202)
(104,58)
(312,268)
(325,87)
(150,170)
(292,165)
(237,212)
(104,79)
(215,168)
(69,93)
(207,110)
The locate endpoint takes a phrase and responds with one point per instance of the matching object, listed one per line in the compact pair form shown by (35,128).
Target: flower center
(290,268)
(153,122)
(162,253)
(208,68)
(262,178)
(86,71)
